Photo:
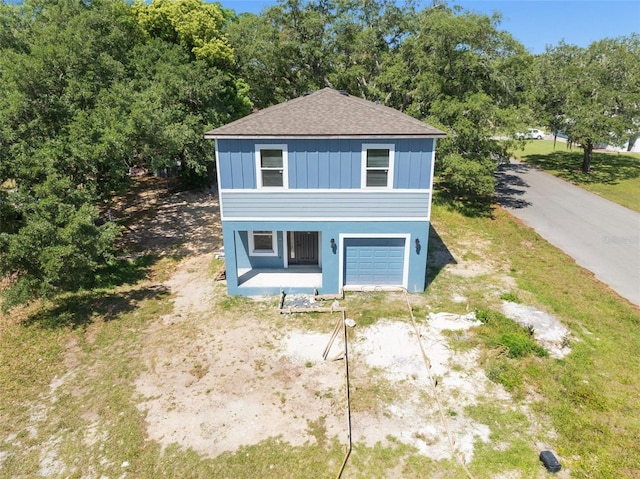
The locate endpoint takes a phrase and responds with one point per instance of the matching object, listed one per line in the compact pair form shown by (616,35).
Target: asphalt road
(600,235)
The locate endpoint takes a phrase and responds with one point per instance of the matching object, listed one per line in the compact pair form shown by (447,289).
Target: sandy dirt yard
(214,384)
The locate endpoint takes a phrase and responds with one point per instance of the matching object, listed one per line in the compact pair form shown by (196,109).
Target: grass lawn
(591,395)
(615,176)
(589,398)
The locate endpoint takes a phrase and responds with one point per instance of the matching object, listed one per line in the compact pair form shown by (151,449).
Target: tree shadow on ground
(123,271)
(438,256)
(510,187)
(182,223)
(469,206)
(77,310)
(606,168)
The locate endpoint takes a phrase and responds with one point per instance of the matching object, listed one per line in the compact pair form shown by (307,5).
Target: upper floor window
(377,166)
(271,166)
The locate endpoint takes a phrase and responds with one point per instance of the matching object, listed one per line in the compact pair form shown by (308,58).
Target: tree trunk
(586,159)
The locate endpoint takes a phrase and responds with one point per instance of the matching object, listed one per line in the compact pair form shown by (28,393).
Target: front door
(303,247)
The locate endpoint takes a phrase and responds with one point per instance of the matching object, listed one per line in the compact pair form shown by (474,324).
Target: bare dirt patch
(161,222)
(414,418)
(215,386)
(548,330)
(227,385)
(215,383)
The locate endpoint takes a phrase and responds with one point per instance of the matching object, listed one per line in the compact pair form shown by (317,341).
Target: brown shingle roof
(326,113)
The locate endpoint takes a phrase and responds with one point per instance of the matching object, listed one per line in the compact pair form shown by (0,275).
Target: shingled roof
(326,113)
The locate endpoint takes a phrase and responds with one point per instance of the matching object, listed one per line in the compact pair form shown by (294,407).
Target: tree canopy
(457,70)
(592,94)
(90,90)
(95,88)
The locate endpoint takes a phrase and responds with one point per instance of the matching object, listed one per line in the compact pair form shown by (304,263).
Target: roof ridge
(327,112)
(385,109)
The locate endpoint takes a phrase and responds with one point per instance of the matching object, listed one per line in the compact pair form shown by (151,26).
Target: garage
(374,261)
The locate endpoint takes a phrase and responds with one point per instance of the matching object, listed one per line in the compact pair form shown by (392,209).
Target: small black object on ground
(550,461)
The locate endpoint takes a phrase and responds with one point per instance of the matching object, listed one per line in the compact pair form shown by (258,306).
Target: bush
(482,315)
(466,178)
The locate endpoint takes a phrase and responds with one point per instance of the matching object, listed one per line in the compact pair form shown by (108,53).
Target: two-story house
(325,192)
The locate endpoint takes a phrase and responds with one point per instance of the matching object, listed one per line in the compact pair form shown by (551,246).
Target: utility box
(550,461)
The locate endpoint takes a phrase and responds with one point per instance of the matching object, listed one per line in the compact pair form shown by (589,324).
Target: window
(271,163)
(377,166)
(263,243)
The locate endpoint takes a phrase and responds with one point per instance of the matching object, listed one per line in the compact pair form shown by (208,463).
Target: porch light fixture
(417,246)
(333,245)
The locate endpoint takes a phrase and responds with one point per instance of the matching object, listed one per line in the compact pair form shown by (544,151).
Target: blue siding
(301,172)
(413,164)
(326,204)
(318,163)
(325,163)
(236,164)
(324,174)
(330,259)
(416,172)
(245,260)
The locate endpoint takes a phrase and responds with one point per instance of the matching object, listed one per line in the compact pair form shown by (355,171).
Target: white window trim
(377,146)
(285,165)
(274,245)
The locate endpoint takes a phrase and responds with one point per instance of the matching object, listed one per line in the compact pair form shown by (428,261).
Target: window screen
(271,166)
(377,167)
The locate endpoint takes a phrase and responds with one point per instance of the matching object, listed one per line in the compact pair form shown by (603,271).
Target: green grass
(368,307)
(510,297)
(504,333)
(102,394)
(508,428)
(589,399)
(590,396)
(615,176)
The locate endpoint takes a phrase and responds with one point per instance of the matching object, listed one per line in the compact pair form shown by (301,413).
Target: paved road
(601,236)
